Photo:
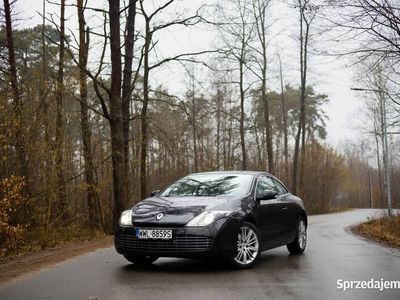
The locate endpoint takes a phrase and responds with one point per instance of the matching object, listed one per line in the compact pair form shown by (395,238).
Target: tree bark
(116,119)
(219,101)
(194,127)
(127,87)
(303,107)
(284,122)
(46,125)
(268,135)
(260,10)
(242,113)
(94,209)
(59,147)
(17,103)
(143,141)
(304,37)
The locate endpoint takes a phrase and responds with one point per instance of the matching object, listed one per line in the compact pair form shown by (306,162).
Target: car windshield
(234,185)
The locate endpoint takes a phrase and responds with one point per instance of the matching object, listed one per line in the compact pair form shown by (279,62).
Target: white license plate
(162,234)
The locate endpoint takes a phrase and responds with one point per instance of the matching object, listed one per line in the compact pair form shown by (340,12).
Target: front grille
(179,243)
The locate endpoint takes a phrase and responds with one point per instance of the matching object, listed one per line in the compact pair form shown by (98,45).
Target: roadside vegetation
(382,228)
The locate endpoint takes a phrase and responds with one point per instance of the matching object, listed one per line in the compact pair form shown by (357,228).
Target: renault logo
(159,216)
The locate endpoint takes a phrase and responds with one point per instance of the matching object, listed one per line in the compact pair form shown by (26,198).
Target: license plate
(162,234)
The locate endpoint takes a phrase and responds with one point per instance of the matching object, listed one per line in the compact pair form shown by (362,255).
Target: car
(234,215)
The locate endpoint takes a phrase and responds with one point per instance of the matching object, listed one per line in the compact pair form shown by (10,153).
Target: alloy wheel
(302,235)
(247,246)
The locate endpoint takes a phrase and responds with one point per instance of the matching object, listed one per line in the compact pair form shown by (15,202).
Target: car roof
(255,173)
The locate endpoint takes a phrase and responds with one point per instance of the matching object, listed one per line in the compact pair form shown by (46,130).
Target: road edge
(351,230)
(27,265)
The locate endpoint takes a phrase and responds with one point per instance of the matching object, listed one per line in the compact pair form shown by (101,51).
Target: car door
(292,211)
(287,209)
(268,213)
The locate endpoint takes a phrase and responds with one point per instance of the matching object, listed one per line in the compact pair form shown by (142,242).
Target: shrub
(11,234)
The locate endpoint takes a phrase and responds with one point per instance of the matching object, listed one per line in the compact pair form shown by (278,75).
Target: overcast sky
(329,76)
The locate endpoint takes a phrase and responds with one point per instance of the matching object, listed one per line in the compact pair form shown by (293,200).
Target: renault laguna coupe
(231,215)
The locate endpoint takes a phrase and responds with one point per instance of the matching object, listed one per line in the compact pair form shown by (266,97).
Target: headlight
(126,218)
(208,217)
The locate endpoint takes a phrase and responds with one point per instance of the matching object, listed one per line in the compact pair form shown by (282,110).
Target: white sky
(328,77)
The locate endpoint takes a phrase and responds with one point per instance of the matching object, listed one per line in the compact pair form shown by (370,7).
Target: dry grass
(332,210)
(381,228)
(40,239)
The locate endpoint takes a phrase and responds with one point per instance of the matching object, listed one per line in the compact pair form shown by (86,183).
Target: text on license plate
(164,234)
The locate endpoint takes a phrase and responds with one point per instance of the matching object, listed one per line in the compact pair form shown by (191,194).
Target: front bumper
(216,239)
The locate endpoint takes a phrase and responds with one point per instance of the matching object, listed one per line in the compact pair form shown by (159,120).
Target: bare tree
(284,121)
(369,31)
(16,94)
(151,28)
(260,11)
(307,13)
(59,142)
(44,91)
(95,214)
(115,114)
(371,25)
(128,85)
(237,33)
(194,125)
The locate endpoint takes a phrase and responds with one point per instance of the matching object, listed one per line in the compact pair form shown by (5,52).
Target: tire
(299,244)
(248,248)
(141,260)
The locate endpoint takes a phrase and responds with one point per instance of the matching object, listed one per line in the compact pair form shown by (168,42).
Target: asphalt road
(332,253)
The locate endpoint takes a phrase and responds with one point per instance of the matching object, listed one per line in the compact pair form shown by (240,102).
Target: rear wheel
(299,244)
(248,247)
(141,260)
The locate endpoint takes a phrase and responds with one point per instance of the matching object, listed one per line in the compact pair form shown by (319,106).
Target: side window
(265,183)
(280,188)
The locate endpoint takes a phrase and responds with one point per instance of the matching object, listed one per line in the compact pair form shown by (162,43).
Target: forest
(91,121)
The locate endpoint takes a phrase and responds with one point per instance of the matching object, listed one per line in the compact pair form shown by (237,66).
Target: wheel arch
(304,216)
(251,219)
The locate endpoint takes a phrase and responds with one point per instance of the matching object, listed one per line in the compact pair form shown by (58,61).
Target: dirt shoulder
(11,268)
(383,229)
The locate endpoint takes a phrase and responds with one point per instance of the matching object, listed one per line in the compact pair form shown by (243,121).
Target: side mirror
(267,195)
(155,193)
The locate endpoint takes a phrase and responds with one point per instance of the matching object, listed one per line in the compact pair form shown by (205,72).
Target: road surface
(332,253)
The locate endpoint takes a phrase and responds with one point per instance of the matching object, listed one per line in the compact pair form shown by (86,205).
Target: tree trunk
(303,108)
(268,135)
(45,108)
(301,126)
(219,101)
(194,127)
(143,142)
(259,148)
(19,139)
(378,160)
(242,114)
(261,30)
(116,126)
(284,121)
(59,147)
(127,87)
(94,209)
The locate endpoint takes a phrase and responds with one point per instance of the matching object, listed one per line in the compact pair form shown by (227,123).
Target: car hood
(177,210)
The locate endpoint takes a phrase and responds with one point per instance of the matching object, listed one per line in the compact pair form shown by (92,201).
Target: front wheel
(248,247)
(299,244)
(141,260)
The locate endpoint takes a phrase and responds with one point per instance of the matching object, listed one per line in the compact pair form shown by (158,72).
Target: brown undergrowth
(382,228)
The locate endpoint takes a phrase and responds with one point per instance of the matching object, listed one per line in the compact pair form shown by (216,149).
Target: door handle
(284,208)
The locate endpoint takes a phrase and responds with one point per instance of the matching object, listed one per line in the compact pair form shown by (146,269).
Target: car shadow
(178,265)
(269,259)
